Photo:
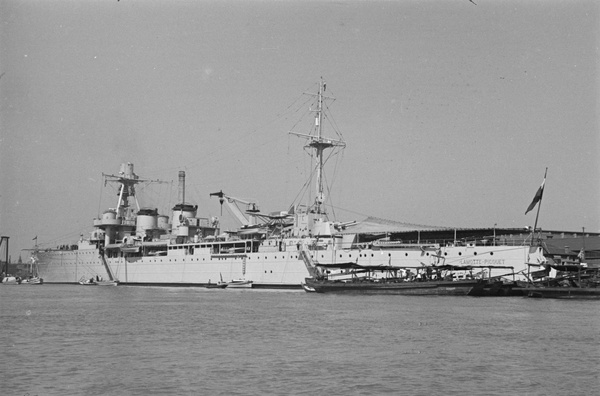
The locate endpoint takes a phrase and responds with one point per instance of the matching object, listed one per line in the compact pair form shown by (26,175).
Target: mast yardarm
(320,144)
(127,180)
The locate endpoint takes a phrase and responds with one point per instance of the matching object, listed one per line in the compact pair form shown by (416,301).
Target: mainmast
(319,144)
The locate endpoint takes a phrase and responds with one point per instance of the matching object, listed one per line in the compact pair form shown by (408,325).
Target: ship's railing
(445,243)
(62,247)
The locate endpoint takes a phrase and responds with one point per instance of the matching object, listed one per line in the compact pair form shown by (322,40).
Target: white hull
(239,284)
(32,281)
(10,280)
(268,269)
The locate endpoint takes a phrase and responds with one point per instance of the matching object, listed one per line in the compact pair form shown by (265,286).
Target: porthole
(460,253)
(475,253)
(491,253)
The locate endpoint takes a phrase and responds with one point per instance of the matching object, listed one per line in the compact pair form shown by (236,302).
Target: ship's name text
(482,262)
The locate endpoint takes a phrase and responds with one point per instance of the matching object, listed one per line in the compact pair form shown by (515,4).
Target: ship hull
(569,293)
(281,268)
(428,288)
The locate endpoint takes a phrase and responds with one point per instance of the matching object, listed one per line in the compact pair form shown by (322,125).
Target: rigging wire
(297,107)
(307,187)
(230,139)
(100,198)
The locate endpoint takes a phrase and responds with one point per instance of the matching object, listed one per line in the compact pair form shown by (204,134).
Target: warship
(133,245)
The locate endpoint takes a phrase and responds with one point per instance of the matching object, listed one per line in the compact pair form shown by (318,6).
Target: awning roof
(375,225)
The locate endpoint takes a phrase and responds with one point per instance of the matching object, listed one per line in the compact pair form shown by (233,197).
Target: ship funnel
(181,187)
(183,211)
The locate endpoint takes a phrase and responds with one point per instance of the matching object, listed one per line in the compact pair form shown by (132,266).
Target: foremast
(127,180)
(116,225)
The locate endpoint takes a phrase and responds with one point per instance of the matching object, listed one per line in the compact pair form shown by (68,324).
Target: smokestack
(182,187)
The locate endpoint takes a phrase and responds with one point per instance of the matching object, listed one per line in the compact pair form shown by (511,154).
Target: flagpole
(538,208)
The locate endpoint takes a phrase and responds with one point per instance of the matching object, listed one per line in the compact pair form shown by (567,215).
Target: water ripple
(69,340)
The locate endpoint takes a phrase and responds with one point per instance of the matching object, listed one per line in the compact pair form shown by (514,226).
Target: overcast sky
(451,111)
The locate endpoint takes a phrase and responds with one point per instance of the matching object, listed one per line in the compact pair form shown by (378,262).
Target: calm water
(76,340)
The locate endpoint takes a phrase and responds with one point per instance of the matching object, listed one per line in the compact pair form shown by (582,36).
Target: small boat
(239,283)
(107,283)
(32,280)
(307,288)
(9,279)
(218,285)
(88,282)
(128,248)
(98,281)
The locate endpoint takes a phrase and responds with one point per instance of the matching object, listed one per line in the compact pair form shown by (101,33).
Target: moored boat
(575,281)
(107,283)
(216,285)
(135,245)
(239,284)
(423,281)
(394,286)
(34,280)
(570,293)
(9,279)
(219,285)
(88,282)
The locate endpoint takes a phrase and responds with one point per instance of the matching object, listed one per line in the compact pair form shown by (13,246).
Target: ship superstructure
(138,246)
